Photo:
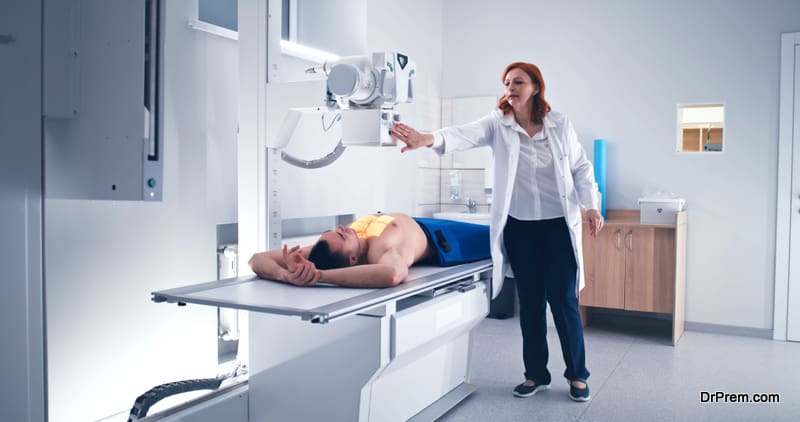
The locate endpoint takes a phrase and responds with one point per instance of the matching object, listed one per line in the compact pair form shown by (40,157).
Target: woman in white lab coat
(542,183)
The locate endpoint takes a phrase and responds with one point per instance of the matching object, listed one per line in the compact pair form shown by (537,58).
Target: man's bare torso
(404,236)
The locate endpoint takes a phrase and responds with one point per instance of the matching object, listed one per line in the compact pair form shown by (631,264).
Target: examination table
(328,353)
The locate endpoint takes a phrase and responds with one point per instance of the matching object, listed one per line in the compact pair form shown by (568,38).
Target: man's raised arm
(389,271)
(273,265)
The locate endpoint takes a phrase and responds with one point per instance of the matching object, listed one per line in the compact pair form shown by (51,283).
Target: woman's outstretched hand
(411,137)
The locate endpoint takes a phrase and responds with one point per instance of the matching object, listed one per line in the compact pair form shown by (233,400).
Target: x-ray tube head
(353,83)
(366,90)
(383,80)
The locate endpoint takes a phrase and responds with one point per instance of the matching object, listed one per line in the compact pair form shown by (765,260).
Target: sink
(475,218)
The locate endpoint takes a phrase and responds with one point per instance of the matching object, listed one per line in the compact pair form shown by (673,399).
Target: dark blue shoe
(523,390)
(579,394)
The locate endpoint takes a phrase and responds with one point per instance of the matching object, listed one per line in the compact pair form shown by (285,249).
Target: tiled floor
(636,376)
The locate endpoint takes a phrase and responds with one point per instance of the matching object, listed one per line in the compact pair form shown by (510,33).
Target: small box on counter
(659,210)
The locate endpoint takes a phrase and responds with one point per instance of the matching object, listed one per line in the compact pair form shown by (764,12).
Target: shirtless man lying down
(376,250)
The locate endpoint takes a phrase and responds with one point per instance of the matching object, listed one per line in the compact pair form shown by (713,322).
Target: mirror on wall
(334,27)
(701,127)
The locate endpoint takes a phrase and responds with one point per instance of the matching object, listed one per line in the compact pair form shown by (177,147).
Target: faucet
(472,206)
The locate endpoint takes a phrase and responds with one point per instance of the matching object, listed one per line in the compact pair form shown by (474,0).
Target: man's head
(335,249)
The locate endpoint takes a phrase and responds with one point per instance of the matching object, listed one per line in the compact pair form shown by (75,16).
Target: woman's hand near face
(411,137)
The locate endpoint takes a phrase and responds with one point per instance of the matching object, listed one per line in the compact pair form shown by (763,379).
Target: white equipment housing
(366,90)
(394,354)
(103,98)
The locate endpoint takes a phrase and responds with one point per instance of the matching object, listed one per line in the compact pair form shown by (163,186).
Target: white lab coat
(574,176)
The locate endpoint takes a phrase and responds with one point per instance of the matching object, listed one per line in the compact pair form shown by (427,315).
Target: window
(224,13)
(700,127)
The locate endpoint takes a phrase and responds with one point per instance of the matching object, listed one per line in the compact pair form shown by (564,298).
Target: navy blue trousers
(541,256)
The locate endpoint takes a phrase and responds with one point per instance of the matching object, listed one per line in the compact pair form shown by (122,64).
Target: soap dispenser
(455,185)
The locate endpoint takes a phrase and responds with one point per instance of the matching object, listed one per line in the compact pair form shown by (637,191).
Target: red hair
(540,106)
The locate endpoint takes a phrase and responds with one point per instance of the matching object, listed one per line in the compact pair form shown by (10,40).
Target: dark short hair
(325,259)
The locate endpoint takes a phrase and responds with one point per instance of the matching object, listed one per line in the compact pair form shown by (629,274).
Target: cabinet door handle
(618,240)
(629,238)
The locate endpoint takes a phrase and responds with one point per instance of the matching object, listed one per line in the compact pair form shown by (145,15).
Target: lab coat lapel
(511,132)
(563,171)
(511,143)
(557,151)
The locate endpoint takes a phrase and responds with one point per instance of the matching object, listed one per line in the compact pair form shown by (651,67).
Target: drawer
(438,317)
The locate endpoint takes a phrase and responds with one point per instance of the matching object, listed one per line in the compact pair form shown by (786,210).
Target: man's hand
(299,271)
(595,222)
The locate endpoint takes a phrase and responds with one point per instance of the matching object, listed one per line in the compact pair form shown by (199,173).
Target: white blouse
(535,194)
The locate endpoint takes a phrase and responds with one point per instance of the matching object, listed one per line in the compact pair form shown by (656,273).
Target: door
(786,321)
(604,265)
(787,229)
(793,316)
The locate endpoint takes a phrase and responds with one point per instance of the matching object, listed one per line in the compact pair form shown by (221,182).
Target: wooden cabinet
(636,267)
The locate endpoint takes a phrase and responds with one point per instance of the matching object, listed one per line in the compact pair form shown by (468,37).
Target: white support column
(259,219)
(251,169)
(273,205)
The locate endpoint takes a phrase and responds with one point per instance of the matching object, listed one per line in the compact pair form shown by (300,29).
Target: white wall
(337,26)
(107,342)
(618,68)
(22,393)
